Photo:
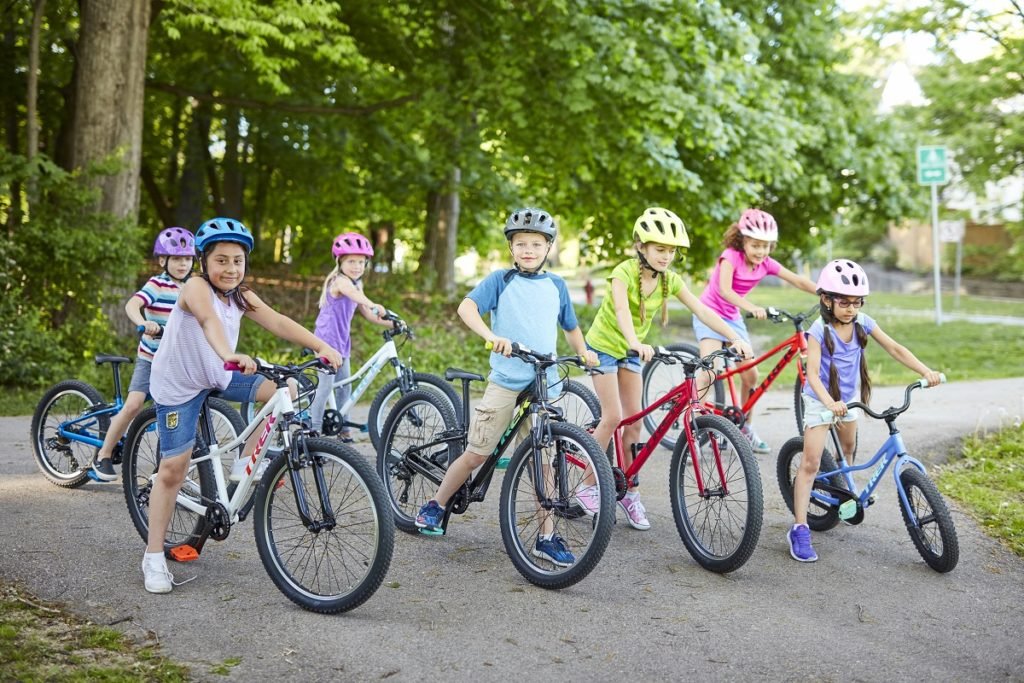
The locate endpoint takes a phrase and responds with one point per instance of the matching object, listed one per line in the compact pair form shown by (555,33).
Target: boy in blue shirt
(526,304)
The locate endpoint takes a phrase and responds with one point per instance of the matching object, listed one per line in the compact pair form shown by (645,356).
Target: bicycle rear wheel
(419,418)
(579,404)
(659,378)
(820,516)
(63,461)
(337,561)
(523,519)
(387,398)
(720,526)
(139,470)
(934,534)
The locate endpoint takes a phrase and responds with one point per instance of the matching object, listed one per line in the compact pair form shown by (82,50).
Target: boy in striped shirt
(149,309)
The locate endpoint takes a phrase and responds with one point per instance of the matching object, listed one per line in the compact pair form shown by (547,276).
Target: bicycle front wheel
(63,461)
(820,515)
(405,454)
(659,378)
(933,532)
(387,398)
(721,522)
(526,522)
(139,471)
(335,560)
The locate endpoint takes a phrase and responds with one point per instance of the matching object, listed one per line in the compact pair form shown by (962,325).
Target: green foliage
(988,481)
(57,267)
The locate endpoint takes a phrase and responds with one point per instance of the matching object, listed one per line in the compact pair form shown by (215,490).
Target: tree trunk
(437,262)
(192,189)
(10,113)
(109,101)
(32,97)
(234,180)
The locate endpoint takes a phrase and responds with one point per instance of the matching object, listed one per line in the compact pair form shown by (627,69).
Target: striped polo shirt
(158,296)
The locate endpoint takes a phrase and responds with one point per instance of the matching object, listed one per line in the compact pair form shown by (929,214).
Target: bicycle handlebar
(670,357)
(777,315)
(542,359)
(141,329)
(889,412)
(273,371)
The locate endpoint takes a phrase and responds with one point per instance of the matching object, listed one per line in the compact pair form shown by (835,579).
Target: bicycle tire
(333,569)
(521,518)
(140,465)
(386,399)
(580,405)
(938,547)
(820,516)
(65,462)
(720,531)
(798,404)
(418,418)
(659,378)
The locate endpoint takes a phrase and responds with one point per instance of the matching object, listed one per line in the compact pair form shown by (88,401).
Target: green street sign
(931,166)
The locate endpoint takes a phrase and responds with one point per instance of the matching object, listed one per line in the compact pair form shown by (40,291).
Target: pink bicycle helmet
(174,242)
(843,277)
(759,225)
(351,243)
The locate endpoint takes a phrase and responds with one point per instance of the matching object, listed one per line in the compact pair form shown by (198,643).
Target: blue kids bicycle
(834,495)
(72,418)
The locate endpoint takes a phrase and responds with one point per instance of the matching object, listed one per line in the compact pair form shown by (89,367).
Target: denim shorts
(176,425)
(702,331)
(607,364)
(140,376)
(814,409)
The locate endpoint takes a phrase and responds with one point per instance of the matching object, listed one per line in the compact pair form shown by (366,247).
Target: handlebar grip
(924,384)
(233,366)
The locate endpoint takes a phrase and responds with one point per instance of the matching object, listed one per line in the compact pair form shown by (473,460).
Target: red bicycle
(714,482)
(659,377)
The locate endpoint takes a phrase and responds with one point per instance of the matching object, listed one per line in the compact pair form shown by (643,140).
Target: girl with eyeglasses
(837,372)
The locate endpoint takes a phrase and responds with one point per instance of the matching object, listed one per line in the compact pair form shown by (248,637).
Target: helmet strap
(529,273)
(647,264)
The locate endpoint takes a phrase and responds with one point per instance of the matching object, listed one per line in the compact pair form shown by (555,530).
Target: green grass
(988,482)
(40,642)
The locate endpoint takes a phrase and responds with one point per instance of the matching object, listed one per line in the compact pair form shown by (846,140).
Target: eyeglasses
(846,303)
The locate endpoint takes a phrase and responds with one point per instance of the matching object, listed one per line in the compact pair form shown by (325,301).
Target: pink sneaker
(635,512)
(589,498)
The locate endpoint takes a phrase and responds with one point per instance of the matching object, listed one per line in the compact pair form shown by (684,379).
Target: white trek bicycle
(323,524)
(406,380)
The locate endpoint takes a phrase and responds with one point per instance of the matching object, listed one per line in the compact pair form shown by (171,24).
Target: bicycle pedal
(432,532)
(183,553)
(95,477)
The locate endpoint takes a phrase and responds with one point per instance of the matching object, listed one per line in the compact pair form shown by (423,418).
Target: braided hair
(664,296)
(862,340)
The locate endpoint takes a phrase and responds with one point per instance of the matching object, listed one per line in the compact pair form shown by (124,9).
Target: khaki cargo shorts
(491,418)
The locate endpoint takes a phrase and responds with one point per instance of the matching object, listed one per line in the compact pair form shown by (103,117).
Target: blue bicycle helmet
(223,230)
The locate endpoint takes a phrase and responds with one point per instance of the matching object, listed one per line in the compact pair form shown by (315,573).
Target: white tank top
(185,363)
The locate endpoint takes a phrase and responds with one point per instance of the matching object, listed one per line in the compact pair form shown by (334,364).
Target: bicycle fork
(295,460)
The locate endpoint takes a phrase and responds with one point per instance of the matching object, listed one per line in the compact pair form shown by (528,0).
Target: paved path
(869,609)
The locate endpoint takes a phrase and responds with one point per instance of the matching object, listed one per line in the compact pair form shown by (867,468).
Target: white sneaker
(158,578)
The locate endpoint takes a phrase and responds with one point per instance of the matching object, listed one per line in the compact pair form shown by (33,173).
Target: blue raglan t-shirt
(528,310)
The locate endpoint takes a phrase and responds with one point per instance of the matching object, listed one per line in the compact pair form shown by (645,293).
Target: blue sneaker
(430,516)
(800,544)
(553,550)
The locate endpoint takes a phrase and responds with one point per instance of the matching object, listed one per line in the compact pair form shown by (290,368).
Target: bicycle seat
(452,374)
(103,358)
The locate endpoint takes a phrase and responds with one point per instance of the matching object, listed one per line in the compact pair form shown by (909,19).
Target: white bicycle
(323,524)
(406,380)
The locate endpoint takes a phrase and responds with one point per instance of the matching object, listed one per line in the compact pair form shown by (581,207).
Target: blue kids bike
(835,496)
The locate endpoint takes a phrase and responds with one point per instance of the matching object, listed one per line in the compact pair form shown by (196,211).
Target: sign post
(932,170)
(953,231)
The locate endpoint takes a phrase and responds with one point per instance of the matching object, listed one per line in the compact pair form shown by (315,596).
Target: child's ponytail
(327,282)
(664,300)
(664,297)
(865,379)
(640,294)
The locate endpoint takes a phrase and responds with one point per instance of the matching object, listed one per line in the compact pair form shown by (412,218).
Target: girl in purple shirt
(836,373)
(744,263)
(341,296)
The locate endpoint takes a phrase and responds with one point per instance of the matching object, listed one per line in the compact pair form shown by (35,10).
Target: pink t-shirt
(743,280)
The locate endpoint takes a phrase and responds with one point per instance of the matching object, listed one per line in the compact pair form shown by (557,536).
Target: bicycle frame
(891,451)
(387,353)
(77,428)
(795,344)
(683,398)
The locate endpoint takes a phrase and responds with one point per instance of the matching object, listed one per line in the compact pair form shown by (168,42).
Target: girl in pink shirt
(744,263)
